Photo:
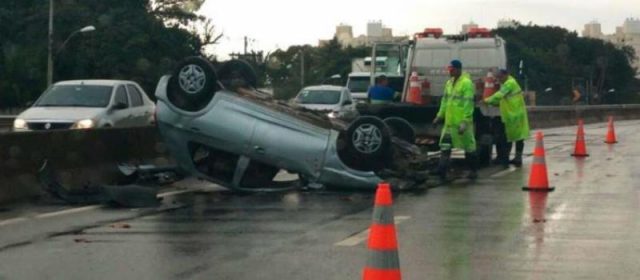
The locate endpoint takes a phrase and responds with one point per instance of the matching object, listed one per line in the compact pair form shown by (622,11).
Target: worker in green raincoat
(456,109)
(513,113)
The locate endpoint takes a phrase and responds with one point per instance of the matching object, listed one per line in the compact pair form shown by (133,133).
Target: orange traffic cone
(538,179)
(581,146)
(383,262)
(611,134)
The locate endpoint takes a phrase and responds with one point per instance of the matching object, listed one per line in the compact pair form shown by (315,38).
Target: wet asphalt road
(490,229)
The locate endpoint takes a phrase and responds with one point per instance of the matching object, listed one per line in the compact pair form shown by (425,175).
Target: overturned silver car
(220,128)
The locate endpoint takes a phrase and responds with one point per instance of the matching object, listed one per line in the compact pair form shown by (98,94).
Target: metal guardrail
(581,107)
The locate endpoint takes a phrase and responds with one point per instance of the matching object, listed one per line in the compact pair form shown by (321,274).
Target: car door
(140,113)
(122,116)
(348,107)
(288,143)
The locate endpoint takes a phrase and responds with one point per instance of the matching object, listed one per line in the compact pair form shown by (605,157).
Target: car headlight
(84,124)
(19,124)
(333,115)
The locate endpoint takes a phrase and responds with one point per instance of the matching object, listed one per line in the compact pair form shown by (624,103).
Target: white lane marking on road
(68,211)
(12,221)
(559,213)
(176,193)
(362,236)
(503,172)
(77,210)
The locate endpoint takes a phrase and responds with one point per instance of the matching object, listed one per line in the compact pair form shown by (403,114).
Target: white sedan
(83,104)
(336,101)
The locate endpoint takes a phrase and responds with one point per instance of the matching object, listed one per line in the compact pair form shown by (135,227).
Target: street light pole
(301,69)
(50,46)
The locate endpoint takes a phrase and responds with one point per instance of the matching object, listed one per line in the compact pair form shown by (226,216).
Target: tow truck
(427,56)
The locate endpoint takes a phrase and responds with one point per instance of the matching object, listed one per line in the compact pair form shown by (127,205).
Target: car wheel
(366,144)
(401,128)
(237,73)
(193,84)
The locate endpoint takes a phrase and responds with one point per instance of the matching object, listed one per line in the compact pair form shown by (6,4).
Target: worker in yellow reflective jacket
(513,113)
(456,109)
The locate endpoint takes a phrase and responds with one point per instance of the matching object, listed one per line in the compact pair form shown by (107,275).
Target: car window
(319,97)
(135,95)
(359,84)
(396,83)
(347,95)
(75,96)
(121,96)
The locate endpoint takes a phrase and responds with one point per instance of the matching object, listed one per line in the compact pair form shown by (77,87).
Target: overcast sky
(280,23)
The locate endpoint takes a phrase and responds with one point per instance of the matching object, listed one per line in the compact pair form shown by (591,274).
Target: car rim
(367,138)
(192,79)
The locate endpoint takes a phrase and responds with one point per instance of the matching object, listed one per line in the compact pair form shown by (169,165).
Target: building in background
(626,35)
(374,29)
(507,23)
(593,30)
(467,26)
(376,32)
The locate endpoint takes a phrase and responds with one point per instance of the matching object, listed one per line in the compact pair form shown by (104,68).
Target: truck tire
(485,149)
(237,73)
(401,128)
(193,84)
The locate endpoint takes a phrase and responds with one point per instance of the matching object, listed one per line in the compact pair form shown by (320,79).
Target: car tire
(366,144)
(237,73)
(485,149)
(401,128)
(193,84)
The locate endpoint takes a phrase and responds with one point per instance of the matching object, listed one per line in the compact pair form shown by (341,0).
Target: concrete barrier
(84,157)
(554,116)
(6,123)
(81,157)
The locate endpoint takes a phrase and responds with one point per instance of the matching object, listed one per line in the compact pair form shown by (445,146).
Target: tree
(320,63)
(559,59)
(136,40)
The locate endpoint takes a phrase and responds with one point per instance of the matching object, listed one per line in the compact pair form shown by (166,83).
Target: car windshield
(76,96)
(319,97)
(360,84)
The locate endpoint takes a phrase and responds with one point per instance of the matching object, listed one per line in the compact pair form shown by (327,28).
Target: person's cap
(455,64)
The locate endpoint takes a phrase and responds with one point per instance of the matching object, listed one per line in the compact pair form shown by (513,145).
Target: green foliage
(284,66)
(136,40)
(558,59)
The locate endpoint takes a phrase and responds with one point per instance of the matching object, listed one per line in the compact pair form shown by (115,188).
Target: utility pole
(301,69)
(246,43)
(50,46)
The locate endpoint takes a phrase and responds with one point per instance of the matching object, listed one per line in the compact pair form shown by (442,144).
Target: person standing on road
(456,109)
(381,93)
(513,112)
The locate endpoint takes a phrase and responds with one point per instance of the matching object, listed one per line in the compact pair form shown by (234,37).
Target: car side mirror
(347,102)
(119,106)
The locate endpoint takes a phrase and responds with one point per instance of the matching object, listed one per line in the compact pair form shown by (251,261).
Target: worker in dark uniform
(381,93)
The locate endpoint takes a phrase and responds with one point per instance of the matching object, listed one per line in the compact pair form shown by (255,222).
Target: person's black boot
(443,165)
(517,160)
(472,163)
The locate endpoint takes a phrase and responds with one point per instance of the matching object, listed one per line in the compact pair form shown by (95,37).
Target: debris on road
(120,225)
(124,196)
